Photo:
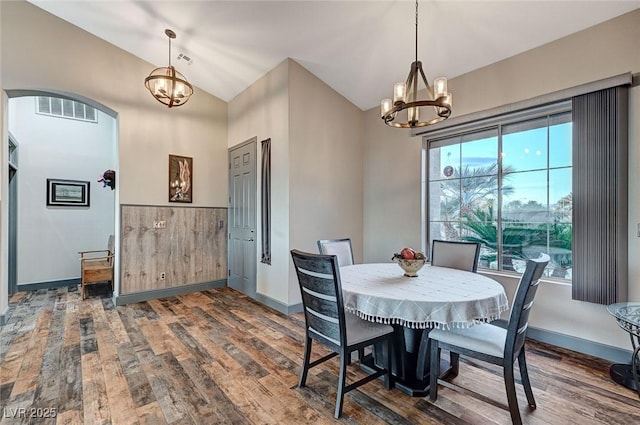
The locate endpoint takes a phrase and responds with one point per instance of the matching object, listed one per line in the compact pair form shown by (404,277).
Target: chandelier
(405,97)
(167,85)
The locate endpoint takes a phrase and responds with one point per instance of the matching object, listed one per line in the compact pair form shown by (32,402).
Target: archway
(57,232)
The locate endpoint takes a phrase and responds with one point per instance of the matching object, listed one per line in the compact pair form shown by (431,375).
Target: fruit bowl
(410,261)
(410,267)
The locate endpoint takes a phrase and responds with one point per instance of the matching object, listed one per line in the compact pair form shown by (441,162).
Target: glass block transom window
(65,108)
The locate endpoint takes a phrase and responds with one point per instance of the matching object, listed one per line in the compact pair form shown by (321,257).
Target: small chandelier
(405,96)
(167,85)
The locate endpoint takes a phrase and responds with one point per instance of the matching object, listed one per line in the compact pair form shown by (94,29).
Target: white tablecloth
(439,297)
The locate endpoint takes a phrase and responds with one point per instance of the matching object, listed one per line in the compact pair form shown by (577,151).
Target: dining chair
(460,255)
(343,250)
(340,247)
(494,344)
(327,322)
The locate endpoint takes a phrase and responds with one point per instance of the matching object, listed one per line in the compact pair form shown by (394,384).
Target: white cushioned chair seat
(359,330)
(487,339)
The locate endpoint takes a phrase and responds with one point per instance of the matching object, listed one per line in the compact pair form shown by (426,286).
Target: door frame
(12,199)
(252,141)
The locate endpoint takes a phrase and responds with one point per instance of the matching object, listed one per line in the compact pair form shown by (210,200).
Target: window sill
(516,276)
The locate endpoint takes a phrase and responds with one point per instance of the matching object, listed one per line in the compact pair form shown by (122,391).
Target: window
(65,108)
(507,186)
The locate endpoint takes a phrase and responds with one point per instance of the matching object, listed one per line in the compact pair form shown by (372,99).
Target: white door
(242,218)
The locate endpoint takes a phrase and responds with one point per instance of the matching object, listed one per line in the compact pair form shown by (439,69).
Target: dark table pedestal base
(408,384)
(404,361)
(623,375)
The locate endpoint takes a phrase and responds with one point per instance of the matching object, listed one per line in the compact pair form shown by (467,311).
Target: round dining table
(439,297)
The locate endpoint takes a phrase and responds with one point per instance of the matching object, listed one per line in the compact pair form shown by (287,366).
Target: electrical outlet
(163,276)
(159,224)
(221,224)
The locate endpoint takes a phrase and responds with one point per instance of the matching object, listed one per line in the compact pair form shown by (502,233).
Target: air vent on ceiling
(187,59)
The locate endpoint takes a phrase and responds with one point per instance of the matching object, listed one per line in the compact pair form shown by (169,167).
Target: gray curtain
(266,201)
(600,156)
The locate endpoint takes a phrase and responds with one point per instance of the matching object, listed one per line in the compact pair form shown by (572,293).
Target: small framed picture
(180,178)
(67,193)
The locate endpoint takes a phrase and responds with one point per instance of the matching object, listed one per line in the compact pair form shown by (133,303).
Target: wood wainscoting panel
(190,248)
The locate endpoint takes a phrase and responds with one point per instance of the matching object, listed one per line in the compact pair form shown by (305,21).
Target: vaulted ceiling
(359,48)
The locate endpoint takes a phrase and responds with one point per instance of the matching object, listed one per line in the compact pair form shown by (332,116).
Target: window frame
(486,125)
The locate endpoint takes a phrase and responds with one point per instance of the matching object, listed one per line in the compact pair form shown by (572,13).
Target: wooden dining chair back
(340,247)
(343,250)
(327,323)
(459,255)
(494,344)
(97,266)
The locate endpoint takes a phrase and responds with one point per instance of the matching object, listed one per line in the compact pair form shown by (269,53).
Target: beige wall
(262,111)
(392,188)
(317,146)
(602,51)
(326,163)
(39,50)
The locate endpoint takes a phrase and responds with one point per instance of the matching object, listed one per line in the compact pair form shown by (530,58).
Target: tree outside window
(509,188)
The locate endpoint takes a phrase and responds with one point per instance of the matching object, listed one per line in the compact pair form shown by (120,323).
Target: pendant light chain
(436,105)
(416,30)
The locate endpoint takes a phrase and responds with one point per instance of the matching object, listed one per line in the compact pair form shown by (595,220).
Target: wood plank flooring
(218,357)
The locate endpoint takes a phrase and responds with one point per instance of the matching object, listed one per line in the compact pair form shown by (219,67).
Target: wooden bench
(97,266)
